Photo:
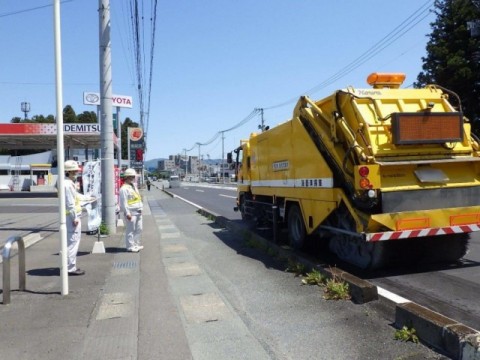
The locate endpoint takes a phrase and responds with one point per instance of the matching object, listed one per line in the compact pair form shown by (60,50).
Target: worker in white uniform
(73,201)
(131,207)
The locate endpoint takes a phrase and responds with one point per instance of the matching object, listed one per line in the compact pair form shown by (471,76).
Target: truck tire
(296,228)
(241,208)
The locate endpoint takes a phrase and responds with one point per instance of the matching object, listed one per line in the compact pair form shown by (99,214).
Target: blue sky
(214,60)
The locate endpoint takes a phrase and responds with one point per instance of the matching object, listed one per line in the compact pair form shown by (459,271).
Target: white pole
(128,147)
(60,147)
(119,140)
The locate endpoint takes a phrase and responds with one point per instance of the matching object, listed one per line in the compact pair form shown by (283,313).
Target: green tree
(16,120)
(87,117)
(69,115)
(452,59)
(43,119)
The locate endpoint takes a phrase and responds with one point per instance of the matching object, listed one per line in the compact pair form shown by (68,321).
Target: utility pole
(106,118)
(186,163)
(199,164)
(223,157)
(262,124)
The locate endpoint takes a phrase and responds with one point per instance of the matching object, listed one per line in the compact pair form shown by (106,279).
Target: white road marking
(199,190)
(228,196)
(397,299)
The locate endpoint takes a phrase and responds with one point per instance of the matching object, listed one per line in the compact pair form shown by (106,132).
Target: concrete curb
(361,291)
(456,339)
(447,335)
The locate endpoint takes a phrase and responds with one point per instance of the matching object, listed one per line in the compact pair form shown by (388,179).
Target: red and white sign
(48,129)
(135,134)
(92,98)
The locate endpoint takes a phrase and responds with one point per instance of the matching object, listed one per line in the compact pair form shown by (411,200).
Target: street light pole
(60,148)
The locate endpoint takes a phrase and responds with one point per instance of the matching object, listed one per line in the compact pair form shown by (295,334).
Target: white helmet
(71,165)
(130,172)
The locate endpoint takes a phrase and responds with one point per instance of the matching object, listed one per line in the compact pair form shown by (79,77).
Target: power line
(137,11)
(31,9)
(410,22)
(242,122)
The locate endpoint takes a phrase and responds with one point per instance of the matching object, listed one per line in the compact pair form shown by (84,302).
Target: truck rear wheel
(296,228)
(352,249)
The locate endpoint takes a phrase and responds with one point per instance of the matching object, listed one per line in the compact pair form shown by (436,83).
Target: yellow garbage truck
(384,174)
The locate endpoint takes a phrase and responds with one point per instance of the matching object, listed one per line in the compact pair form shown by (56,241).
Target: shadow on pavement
(44,272)
(115,250)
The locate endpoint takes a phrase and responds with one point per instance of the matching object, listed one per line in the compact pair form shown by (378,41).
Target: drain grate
(125,265)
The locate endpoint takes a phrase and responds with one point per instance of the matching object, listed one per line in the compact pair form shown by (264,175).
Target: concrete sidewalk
(120,309)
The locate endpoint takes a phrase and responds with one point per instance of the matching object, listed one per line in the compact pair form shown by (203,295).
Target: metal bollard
(6,266)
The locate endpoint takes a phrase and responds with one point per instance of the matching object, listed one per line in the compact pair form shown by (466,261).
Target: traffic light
(139,154)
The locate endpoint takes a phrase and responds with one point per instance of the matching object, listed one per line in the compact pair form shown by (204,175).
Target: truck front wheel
(242,207)
(296,228)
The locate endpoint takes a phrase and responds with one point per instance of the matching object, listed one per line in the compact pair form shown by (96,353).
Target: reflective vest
(133,196)
(78,208)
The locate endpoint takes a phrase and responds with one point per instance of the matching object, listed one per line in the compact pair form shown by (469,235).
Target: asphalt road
(451,290)
(288,320)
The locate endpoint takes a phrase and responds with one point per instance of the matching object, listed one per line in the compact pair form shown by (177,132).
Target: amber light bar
(427,128)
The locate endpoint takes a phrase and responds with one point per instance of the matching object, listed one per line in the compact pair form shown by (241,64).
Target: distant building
(166,165)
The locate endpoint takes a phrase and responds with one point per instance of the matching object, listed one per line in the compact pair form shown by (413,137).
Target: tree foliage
(453,54)
(87,117)
(69,116)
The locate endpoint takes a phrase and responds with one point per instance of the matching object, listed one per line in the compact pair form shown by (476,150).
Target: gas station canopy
(44,136)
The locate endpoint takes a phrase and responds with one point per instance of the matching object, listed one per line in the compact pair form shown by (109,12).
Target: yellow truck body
(365,166)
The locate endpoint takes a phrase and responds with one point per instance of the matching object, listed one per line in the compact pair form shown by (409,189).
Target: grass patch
(336,289)
(295,267)
(314,278)
(103,229)
(406,334)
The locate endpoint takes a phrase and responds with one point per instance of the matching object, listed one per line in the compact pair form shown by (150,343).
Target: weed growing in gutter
(314,278)
(406,334)
(336,289)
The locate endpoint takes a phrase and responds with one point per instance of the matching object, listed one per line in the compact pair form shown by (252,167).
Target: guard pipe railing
(6,266)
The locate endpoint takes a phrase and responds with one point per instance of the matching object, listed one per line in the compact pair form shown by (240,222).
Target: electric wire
(143,56)
(410,22)
(242,122)
(31,9)
(400,30)
(123,42)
